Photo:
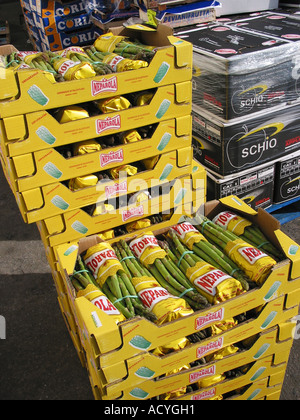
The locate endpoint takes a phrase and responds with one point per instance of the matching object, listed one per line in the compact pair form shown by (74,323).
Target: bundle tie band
(263,244)
(79,272)
(186,291)
(182,256)
(124,297)
(129,257)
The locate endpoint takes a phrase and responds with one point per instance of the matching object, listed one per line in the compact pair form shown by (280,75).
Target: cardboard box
(115,19)
(277,353)
(235,384)
(55,24)
(172,63)
(238,73)
(187,14)
(257,391)
(232,7)
(283,280)
(40,132)
(177,197)
(114,367)
(45,167)
(59,8)
(282,25)
(275,341)
(55,199)
(255,186)
(232,147)
(287,179)
(58,41)
(60,11)
(260,390)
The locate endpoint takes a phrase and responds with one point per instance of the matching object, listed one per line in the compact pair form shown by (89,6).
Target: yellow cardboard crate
(261,390)
(257,391)
(73,334)
(55,199)
(177,197)
(32,90)
(45,167)
(114,367)
(267,344)
(263,368)
(260,369)
(283,281)
(172,220)
(272,393)
(169,135)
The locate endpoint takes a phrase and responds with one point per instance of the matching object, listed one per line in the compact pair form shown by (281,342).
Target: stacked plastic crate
(34,139)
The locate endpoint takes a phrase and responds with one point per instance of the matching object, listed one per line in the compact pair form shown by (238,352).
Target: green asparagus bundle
(78,54)
(256,264)
(11,60)
(247,231)
(215,285)
(134,51)
(168,275)
(124,47)
(85,285)
(208,252)
(35,60)
(116,285)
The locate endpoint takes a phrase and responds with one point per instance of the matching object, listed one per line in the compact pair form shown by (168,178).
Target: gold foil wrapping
(72,70)
(79,183)
(103,209)
(85,147)
(72,113)
(95,296)
(159,301)
(102,261)
(130,171)
(140,224)
(130,137)
(213,283)
(115,104)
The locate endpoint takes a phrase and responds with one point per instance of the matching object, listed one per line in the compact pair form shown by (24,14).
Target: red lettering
(252,253)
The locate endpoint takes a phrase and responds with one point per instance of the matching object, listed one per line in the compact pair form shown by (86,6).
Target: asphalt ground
(37,358)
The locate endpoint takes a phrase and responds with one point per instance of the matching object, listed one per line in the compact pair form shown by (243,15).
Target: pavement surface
(37,357)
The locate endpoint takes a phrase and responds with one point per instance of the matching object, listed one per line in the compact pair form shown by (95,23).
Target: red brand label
(108,124)
(139,245)
(210,347)
(210,318)
(150,297)
(205,395)
(251,254)
(104,85)
(112,157)
(116,189)
(131,213)
(203,373)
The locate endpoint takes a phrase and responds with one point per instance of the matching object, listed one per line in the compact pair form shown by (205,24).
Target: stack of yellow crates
(123,361)
(250,356)
(33,141)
